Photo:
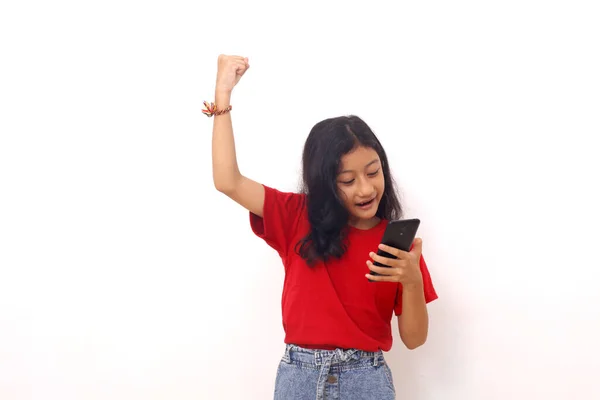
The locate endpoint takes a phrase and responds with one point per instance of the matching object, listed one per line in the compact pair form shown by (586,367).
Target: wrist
(222,99)
(413,287)
(221,92)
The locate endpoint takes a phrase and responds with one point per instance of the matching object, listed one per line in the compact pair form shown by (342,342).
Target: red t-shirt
(330,305)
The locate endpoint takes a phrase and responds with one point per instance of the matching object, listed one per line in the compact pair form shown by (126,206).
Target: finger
(239,63)
(394,251)
(240,68)
(242,61)
(390,262)
(380,278)
(235,58)
(417,246)
(382,270)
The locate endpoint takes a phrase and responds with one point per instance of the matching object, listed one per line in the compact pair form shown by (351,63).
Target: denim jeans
(305,374)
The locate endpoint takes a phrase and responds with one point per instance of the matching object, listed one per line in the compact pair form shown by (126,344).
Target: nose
(365,188)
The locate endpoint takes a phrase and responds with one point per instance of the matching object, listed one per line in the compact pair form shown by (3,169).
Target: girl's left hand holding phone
(406,269)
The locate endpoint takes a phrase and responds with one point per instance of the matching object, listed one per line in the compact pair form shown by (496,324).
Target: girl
(337,322)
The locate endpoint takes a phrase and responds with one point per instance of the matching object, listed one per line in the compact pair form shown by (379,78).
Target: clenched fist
(230,71)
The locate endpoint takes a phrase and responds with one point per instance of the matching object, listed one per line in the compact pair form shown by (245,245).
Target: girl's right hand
(230,71)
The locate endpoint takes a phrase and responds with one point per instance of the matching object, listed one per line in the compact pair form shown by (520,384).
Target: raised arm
(226,174)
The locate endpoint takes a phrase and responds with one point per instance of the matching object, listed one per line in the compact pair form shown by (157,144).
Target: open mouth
(366,203)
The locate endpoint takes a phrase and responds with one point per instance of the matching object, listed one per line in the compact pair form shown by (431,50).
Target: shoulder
(292,201)
(283,216)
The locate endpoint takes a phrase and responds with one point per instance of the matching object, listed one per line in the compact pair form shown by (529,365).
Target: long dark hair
(327,142)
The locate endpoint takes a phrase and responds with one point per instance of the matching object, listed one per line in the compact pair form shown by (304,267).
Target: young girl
(336,315)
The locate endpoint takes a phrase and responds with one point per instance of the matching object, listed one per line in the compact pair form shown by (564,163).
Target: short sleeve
(428,289)
(281,213)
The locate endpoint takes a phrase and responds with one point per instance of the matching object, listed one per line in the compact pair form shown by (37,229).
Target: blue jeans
(305,374)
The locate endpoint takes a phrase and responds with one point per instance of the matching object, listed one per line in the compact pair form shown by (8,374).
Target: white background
(125,275)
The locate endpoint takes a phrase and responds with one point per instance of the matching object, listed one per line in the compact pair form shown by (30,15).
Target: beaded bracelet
(211,109)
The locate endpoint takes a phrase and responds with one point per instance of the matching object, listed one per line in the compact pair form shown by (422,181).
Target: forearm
(224,160)
(413,323)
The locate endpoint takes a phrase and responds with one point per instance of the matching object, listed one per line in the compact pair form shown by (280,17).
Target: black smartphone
(399,234)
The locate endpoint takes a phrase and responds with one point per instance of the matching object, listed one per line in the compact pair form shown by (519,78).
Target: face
(360,183)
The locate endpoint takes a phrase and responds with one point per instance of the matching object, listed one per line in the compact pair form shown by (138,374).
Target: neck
(364,224)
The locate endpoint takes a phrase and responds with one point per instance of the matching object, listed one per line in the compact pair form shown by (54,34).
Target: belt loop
(317,357)
(375,359)
(286,356)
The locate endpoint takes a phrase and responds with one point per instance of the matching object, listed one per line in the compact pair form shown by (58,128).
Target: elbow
(414,345)
(413,332)
(225,189)
(414,341)
(226,184)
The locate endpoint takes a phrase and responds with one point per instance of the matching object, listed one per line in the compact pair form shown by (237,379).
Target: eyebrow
(366,166)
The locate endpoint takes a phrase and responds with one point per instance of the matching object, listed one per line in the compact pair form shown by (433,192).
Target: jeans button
(332,379)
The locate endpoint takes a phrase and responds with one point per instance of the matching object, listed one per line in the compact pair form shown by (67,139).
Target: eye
(373,173)
(347,182)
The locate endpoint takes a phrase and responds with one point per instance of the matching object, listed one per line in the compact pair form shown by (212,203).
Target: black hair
(327,142)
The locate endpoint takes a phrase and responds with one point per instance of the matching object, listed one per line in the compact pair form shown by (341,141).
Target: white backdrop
(125,275)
